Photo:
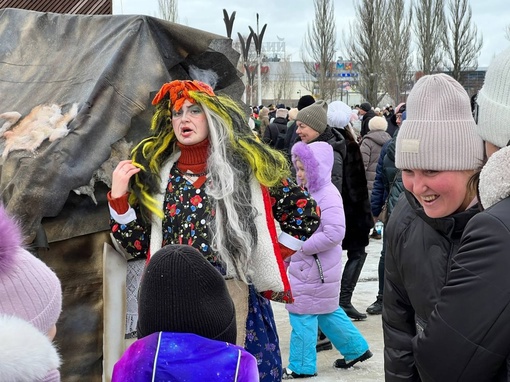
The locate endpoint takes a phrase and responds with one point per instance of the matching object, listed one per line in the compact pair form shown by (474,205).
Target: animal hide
(120,151)
(43,122)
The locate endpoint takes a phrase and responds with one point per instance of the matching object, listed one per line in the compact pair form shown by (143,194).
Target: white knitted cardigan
(267,272)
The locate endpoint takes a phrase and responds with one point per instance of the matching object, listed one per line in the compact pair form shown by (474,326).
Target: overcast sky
(289,19)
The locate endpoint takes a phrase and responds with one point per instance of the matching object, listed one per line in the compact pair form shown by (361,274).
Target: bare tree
(367,44)
(168,10)
(429,30)
(319,47)
(282,85)
(398,61)
(461,41)
(507,32)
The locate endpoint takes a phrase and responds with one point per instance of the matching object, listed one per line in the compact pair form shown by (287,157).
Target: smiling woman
(439,152)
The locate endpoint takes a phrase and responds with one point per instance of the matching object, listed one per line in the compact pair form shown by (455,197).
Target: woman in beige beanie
(439,153)
(468,335)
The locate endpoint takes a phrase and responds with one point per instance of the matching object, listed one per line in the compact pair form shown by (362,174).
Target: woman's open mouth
(429,198)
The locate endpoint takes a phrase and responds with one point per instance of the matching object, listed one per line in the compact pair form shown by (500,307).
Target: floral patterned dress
(186,215)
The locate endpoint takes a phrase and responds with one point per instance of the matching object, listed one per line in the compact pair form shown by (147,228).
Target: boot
(375,235)
(376,307)
(350,277)
(323,343)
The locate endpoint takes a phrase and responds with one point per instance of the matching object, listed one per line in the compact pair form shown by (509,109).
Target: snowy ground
(371,370)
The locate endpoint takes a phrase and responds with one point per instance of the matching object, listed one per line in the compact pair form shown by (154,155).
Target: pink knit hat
(29,289)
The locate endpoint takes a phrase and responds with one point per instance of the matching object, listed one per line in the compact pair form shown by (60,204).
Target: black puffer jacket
(468,335)
(419,252)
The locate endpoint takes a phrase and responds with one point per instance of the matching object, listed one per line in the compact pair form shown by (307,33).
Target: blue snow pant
(339,329)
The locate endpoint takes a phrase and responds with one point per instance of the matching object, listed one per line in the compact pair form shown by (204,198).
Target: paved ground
(364,295)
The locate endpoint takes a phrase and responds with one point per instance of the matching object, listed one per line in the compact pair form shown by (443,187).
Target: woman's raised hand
(121,176)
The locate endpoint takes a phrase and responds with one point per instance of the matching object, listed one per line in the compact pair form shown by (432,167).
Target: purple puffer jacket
(315,282)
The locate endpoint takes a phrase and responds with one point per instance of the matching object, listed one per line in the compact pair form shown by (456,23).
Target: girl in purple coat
(315,272)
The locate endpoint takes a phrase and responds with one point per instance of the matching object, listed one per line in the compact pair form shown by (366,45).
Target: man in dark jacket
(366,111)
(358,218)
(275,133)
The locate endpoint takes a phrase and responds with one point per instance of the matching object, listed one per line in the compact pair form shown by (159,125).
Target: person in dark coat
(277,128)
(468,336)
(426,226)
(366,111)
(358,217)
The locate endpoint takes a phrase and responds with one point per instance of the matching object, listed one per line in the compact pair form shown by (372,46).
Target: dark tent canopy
(110,66)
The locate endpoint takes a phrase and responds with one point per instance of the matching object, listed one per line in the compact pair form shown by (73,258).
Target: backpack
(280,140)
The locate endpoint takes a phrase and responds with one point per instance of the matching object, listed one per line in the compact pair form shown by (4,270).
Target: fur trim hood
(317,159)
(26,354)
(495,178)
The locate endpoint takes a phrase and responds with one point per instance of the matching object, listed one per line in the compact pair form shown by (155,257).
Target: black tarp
(110,65)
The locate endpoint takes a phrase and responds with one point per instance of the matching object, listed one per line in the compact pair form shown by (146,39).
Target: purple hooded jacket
(316,288)
(165,356)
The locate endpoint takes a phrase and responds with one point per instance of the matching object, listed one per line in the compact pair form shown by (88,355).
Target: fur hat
(26,354)
(305,101)
(315,116)
(29,289)
(282,113)
(293,113)
(378,123)
(494,102)
(317,159)
(365,106)
(182,292)
(339,114)
(439,132)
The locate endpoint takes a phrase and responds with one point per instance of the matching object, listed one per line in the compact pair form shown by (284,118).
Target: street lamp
(257,39)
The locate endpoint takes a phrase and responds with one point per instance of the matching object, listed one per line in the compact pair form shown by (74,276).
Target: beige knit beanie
(494,102)
(377,123)
(439,132)
(315,116)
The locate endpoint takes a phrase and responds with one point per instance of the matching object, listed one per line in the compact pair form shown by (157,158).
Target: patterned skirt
(261,337)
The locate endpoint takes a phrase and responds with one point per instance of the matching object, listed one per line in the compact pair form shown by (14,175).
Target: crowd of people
(230,213)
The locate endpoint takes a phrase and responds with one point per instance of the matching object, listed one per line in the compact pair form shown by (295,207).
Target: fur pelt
(26,354)
(43,122)
(120,151)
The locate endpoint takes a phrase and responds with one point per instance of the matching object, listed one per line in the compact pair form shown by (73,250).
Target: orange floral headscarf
(178,92)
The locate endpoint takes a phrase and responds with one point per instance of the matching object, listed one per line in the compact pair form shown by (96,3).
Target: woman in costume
(203,179)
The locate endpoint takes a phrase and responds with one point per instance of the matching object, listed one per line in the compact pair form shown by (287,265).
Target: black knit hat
(365,106)
(182,292)
(305,101)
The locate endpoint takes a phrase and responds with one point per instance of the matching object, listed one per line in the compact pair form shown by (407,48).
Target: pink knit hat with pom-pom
(29,289)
